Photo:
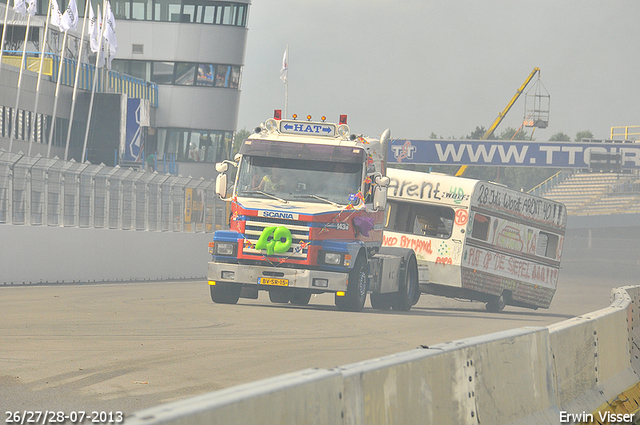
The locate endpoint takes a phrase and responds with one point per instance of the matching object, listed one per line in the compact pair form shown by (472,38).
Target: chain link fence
(38,191)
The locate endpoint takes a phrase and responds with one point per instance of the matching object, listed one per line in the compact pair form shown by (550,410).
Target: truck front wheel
(300,297)
(225,293)
(278,296)
(356,288)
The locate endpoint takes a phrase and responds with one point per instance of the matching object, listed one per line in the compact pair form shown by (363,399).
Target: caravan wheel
(496,305)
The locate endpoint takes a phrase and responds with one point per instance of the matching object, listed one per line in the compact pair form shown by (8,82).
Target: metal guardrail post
(10,196)
(45,198)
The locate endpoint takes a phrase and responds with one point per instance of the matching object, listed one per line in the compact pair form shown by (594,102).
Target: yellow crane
(502,114)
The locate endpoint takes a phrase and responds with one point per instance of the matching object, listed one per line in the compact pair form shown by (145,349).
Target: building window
(182,73)
(205,74)
(185,74)
(190,11)
(162,72)
(194,145)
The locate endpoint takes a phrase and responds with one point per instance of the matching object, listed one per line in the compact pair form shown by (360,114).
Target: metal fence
(39,191)
(108,81)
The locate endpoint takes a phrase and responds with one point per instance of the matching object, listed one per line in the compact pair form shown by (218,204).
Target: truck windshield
(291,179)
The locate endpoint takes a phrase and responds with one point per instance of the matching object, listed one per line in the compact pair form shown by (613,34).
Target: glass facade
(185,11)
(190,145)
(182,73)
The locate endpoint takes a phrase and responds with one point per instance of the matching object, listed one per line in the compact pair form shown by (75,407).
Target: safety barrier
(108,81)
(52,192)
(570,372)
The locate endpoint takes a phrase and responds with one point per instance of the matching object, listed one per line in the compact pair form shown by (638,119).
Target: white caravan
(477,240)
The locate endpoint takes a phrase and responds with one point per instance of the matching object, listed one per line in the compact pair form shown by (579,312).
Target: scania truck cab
(307,210)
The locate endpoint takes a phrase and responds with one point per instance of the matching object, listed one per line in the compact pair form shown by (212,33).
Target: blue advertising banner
(133,141)
(512,153)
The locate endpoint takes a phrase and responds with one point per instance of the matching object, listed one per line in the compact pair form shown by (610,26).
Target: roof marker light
(271,125)
(277,114)
(343,131)
(294,116)
(308,117)
(343,119)
(323,118)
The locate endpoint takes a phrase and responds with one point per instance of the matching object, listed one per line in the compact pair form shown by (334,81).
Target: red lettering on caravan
(416,244)
(390,241)
(474,257)
(444,260)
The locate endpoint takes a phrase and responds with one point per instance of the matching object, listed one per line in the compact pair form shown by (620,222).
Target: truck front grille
(299,234)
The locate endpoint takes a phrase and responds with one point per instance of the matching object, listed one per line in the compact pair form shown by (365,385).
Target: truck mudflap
(265,277)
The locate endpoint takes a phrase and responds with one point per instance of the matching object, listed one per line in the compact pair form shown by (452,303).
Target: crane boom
(515,97)
(502,114)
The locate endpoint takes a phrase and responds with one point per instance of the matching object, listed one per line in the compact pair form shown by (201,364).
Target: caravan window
(547,245)
(420,219)
(480,227)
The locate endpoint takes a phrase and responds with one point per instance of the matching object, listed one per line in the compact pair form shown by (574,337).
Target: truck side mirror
(379,198)
(221,185)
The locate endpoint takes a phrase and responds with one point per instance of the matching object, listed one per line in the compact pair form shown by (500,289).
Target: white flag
(32,6)
(56,16)
(102,55)
(110,30)
(285,66)
(94,29)
(110,34)
(20,6)
(70,16)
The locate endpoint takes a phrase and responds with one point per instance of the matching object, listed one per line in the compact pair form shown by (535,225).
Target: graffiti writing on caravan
(418,245)
(425,190)
(521,205)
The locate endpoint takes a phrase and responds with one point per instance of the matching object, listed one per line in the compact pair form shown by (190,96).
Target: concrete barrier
(525,376)
(311,396)
(43,254)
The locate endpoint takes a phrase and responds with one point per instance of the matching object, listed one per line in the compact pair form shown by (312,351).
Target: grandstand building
(182,58)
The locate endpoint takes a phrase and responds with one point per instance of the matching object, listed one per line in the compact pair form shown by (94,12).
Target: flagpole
(286,83)
(42,57)
(55,102)
(75,84)
(22,66)
(4,30)
(95,79)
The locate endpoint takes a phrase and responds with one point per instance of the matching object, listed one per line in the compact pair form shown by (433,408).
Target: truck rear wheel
(381,301)
(356,288)
(409,292)
(225,293)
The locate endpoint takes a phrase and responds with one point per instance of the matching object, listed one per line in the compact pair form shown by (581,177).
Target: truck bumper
(295,278)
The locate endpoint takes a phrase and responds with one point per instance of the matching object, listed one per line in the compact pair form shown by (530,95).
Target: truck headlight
(225,248)
(331,258)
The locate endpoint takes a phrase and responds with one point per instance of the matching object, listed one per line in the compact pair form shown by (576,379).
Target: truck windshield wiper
(320,198)
(270,195)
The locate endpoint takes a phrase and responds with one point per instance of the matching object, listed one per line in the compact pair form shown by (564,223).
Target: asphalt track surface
(129,346)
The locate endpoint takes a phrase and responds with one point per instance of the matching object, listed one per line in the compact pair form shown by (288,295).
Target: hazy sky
(420,66)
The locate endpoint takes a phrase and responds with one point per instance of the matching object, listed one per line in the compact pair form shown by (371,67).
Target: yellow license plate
(273,281)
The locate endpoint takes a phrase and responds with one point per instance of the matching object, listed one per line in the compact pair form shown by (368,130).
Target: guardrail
(108,81)
(579,370)
(550,183)
(39,191)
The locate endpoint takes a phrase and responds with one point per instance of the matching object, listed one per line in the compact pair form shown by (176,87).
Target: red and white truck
(307,210)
